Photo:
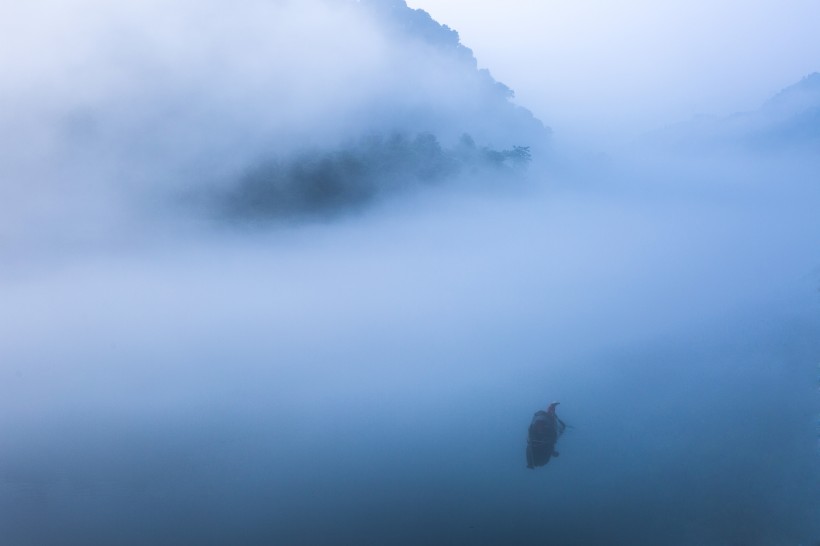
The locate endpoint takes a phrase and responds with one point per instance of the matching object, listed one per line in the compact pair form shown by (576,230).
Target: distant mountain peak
(812,80)
(420,25)
(800,96)
(491,115)
(790,120)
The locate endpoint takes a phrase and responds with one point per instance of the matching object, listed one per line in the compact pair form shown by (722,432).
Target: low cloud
(107,108)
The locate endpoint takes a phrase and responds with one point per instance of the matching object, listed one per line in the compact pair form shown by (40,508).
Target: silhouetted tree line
(330,181)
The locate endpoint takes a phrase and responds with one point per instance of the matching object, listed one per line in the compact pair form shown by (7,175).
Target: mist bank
(112,115)
(382,369)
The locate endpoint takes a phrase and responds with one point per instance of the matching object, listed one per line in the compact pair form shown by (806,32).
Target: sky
(605,67)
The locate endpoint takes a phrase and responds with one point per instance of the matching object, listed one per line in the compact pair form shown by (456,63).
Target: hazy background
(604,70)
(172,374)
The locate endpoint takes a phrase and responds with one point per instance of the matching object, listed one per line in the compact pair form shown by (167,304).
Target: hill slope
(788,122)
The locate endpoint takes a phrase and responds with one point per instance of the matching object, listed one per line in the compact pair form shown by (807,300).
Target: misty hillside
(148,118)
(788,122)
(482,106)
(329,182)
(412,145)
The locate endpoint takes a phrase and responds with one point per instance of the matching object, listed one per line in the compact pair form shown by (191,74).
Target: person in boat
(542,436)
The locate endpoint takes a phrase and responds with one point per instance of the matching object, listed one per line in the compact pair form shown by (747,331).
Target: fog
(363,371)
(108,108)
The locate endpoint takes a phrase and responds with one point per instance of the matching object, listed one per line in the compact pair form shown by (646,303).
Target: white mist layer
(355,359)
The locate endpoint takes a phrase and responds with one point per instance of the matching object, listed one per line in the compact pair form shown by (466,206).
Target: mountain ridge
(789,121)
